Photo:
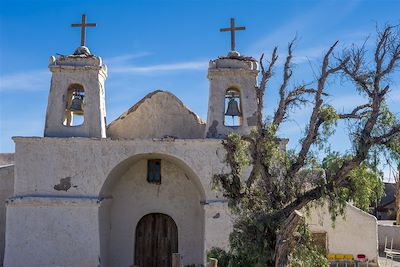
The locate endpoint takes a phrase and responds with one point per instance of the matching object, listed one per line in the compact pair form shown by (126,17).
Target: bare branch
(315,121)
(385,138)
(354,114)
(287,73)
(265,76)
(354,67)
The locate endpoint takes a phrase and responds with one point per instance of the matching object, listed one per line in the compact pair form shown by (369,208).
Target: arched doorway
(128,195)
(156,239)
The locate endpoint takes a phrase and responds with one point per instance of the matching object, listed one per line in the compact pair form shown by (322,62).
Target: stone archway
(130,196)
(156,239)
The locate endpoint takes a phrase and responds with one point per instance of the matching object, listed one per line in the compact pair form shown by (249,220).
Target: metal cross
(232,29)
(83,26)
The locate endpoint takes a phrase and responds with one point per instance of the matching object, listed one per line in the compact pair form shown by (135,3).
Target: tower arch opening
(233,108)
(74,105)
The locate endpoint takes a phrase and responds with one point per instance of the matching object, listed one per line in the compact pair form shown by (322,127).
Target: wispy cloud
(123,59)
(25,81)
(162,68)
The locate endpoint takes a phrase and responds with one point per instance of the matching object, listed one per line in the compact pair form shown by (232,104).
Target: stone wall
(6,191)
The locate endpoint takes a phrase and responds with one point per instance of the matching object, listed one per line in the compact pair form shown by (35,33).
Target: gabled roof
(157,115)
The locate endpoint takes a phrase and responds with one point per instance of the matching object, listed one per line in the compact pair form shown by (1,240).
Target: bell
(76,105)
(233,108)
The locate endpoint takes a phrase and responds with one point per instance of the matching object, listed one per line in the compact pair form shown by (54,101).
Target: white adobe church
(135,191)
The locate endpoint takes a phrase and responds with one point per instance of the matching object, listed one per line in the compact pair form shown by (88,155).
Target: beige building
(132,192)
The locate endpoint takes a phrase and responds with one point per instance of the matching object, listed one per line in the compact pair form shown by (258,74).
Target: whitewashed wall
(356,234)
(63,182)
(133,197)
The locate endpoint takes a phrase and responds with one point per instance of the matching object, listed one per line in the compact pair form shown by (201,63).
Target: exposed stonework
(64,185)
(159,114)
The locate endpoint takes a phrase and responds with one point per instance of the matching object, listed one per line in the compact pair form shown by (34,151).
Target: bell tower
(232,104)
(76,104)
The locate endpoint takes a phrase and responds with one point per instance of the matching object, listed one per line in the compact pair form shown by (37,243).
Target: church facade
(87,194)
(135,191)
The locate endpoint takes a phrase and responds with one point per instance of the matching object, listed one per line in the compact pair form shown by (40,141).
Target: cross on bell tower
(76,105)
(232,104)
(232,29)
(83,26)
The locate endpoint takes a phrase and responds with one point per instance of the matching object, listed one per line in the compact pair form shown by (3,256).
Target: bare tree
(267,202)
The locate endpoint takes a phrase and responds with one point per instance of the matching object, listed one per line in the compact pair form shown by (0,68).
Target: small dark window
(154,171)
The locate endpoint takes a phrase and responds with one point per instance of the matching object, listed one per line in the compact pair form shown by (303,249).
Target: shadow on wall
(6,191)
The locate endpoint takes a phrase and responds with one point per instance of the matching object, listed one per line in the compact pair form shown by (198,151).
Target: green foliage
(363,186)
(367,187)
(307,254)
(221,255)
(228,259)
(237,154)
(329,116)
(281,182)
(237,159)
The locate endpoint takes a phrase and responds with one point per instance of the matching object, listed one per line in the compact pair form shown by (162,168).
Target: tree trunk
(286,240)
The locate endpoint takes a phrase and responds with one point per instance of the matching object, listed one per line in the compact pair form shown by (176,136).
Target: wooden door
(156,239)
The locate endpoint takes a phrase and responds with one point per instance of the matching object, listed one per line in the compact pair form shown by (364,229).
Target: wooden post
(176,260)
(397,184)
(213,262)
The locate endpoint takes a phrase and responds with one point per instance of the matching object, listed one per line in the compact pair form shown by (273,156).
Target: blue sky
(150,45)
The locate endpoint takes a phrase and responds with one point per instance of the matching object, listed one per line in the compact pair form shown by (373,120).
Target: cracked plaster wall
(72,215)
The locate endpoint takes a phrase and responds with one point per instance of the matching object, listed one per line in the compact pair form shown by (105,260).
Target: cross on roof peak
(83,26)
(232,29)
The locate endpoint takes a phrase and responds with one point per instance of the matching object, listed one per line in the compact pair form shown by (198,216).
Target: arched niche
(127,196)
(74,105)
(233,107)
